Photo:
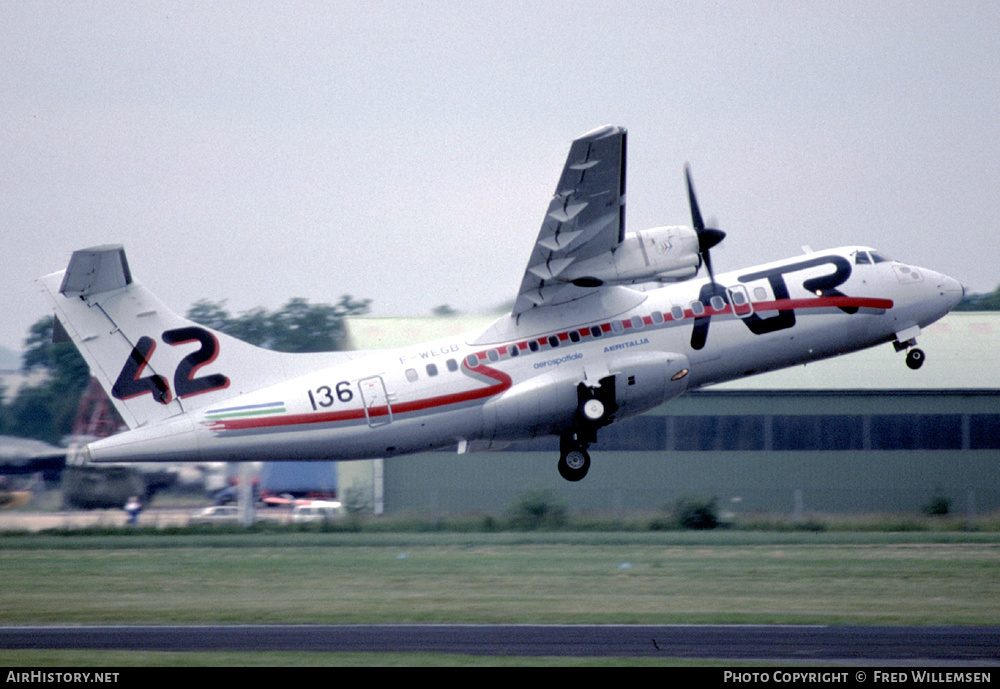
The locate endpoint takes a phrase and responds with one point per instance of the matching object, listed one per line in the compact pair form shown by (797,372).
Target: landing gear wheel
(574,464)
(593,409)
(915,358)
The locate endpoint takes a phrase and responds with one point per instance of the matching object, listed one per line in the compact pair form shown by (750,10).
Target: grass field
(566,577)
(896,579)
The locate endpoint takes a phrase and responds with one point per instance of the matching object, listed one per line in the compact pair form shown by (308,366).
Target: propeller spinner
(707,236)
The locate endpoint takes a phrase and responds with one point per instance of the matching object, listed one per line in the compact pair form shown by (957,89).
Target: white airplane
(606,325)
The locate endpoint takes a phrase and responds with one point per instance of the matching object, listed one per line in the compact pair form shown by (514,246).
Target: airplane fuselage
(592,337)
(521,378)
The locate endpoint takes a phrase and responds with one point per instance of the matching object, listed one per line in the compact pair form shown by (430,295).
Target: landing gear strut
(596,407)
(914,355)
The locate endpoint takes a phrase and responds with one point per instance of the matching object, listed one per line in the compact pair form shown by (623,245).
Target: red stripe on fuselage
(504,381)
(823,302)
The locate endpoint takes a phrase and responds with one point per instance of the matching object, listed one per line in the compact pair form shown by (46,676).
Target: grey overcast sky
(406,151)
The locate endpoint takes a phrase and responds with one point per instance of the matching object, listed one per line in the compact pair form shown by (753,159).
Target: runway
(978,645)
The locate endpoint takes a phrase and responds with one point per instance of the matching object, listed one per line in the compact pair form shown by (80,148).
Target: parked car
(317,511)
(217,514)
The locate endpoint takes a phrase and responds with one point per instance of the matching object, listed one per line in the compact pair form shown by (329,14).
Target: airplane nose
(952,289)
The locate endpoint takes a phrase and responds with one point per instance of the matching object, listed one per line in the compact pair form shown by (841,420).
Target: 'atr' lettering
(823,286)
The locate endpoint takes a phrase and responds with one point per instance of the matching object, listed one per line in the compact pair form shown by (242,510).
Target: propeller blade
(706,257)
(696,220)
(707,236)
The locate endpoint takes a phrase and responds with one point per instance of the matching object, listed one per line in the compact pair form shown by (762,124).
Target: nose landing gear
(915,358)
(907,340)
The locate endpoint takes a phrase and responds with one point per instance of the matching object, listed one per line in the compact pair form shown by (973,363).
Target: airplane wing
(586,218)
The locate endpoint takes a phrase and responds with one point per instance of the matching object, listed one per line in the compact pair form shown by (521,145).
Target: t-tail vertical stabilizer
(153,363)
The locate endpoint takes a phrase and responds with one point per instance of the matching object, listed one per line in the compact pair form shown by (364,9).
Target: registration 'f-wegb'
(607,324)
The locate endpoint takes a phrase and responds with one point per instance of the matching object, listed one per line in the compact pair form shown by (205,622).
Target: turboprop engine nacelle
(663,254)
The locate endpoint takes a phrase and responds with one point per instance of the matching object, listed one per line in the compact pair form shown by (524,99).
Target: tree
(980,302)
(47,411)
(253,326)
(68,371)
(297,327)
(444,310)
(211,314)
(304,327)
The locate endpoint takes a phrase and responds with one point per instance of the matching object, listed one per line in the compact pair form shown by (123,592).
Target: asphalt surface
(979,645)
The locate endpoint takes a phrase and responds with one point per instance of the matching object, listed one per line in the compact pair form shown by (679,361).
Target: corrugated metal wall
(935,459)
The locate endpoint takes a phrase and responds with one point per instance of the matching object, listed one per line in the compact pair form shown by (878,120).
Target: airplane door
(376,401)
(740,299)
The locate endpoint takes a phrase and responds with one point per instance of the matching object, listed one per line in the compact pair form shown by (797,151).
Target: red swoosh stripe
(503,383)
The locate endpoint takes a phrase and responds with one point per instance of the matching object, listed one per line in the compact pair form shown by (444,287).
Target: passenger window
(493,354)
(432,369)
(759,293)
(657,317)
(533,345)
(452,365)
(697,308)
(718,303)
(617,326)
(553,341)
(514,350)
(637,322)
(677,313)
(472,361)
(574,335)
(411,375)
(596,331)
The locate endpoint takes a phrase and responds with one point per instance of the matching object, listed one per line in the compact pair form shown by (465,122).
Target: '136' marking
(324,395)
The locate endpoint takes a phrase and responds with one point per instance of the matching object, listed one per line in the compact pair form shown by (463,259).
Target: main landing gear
(574,461)
(596,405)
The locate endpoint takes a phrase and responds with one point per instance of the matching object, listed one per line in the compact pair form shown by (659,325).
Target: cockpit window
(868,257)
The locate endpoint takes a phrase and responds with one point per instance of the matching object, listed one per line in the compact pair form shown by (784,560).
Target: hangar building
(859,433)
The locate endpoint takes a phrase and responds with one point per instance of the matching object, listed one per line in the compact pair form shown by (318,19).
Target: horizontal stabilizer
(96,270)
